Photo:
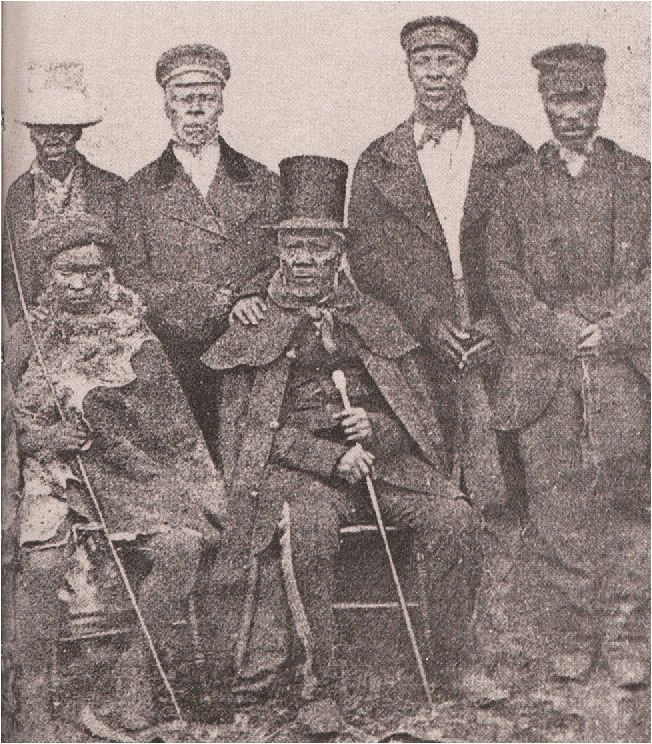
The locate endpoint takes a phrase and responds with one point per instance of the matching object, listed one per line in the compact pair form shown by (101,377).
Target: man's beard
(447,117)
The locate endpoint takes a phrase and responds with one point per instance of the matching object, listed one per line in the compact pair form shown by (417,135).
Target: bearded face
(78,279)
(193,106)
(310,261)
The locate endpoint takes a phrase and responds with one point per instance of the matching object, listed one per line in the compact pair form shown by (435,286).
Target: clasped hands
(356,463)
(466,349)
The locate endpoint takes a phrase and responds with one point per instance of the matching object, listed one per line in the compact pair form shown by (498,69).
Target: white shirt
(200,167)
(573,160)
(447,169)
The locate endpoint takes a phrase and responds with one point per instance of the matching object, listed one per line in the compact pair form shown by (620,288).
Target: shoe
(573,667)
(627,669)
(320,718)
(478,687)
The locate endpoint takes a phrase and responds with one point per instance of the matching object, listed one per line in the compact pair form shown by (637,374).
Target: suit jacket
(101,193)
(256,361)
(527,256)
(398,251)
(179,249)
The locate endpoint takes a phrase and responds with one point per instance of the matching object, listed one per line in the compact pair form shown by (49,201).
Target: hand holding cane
(340,383)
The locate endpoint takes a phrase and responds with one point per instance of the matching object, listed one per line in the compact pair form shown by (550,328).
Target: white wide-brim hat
(63,106)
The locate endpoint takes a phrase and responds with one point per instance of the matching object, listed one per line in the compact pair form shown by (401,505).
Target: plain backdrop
(321,78)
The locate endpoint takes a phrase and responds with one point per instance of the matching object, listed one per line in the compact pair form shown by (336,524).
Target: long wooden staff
(340,383)
(89,487)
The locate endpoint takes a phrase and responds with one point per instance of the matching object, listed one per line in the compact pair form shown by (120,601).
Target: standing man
(418,214)
(568,259)
(56,110)
(193,224)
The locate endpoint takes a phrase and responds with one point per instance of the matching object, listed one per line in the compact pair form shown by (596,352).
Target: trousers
(49,579)
(587,472)
(445,530)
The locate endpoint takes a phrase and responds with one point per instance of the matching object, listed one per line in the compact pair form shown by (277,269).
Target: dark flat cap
(439,31)
(57,234)
(193,58)
(571,68)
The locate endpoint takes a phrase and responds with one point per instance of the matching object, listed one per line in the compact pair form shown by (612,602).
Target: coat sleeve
(529,319)
(297,449)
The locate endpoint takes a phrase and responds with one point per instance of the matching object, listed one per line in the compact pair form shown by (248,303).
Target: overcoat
(101,194)
(180,249)
(398,251)
(256,361)
(537,289)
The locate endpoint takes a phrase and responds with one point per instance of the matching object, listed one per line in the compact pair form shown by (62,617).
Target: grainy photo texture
(326,372)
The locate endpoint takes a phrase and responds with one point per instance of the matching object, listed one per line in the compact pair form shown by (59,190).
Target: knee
(177,545)
(175,557)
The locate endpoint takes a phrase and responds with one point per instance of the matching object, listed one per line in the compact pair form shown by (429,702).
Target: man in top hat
(192,224)
(60,181)
(418,216)
(292,471)
(568,260)
(127,417)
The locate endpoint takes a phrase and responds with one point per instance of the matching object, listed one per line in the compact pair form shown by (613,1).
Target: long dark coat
(179,248)
(529,278)
(398,251)
(101,191)
(256,362)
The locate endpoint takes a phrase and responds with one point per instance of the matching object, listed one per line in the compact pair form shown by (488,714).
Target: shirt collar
(420,128)
(567,153)
(209,150)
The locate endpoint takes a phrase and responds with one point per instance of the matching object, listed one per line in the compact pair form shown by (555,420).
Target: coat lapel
(489,154)
(232,194)
(403,183)
(229,202)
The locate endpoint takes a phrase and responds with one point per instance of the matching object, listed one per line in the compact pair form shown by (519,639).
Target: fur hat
(57,234)
(57,95)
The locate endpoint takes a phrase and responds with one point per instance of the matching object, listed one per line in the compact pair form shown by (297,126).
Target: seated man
(144,455)
(292,472)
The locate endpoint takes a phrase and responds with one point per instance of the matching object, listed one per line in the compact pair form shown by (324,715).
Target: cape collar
(379,330)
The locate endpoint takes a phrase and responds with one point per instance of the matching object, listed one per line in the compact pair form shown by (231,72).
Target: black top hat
(313,192)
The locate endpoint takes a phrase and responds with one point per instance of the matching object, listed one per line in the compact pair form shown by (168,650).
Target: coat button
(291,354)
(274,425)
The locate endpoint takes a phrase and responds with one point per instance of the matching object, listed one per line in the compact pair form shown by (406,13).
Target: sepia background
(320,78)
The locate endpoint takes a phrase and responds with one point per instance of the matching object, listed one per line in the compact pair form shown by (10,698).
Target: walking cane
(340,383)
(89,487)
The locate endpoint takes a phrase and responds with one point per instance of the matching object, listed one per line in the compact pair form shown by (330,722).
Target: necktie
(433,133)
